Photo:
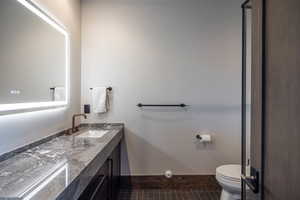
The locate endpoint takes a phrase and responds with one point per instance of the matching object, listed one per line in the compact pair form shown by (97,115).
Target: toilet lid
(231,172)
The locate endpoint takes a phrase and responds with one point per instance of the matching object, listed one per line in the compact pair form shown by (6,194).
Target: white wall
(167,51)
(19,129)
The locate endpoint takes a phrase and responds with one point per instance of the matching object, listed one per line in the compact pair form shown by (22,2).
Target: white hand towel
(59,94)
(100,100)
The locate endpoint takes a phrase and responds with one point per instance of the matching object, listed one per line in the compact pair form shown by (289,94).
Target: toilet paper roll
(205,138)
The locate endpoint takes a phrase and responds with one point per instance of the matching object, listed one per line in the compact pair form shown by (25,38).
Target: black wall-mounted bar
(161,105)
(109,88)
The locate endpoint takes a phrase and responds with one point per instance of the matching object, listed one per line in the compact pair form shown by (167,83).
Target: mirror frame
(36,9)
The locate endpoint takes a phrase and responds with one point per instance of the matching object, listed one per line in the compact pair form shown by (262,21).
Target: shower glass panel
(249,174)
(248,92)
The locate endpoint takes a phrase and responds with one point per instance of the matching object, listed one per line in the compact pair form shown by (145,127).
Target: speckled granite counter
(58,169)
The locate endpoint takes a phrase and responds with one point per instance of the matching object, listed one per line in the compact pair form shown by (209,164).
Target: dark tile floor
(162,194)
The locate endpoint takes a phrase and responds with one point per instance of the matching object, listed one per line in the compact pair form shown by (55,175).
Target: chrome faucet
(74,128)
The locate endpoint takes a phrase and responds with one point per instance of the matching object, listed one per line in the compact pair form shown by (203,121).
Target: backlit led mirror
(34,57)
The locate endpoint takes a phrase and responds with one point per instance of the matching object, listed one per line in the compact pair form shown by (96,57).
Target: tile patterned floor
(161,194)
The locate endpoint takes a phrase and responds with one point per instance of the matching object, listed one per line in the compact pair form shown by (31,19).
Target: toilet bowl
(229,177)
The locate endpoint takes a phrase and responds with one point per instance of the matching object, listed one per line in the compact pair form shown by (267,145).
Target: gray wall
(17,130)
(167,51)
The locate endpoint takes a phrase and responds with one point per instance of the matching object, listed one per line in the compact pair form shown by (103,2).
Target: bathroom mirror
(34,57)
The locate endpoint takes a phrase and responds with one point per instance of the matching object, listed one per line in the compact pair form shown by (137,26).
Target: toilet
(229,177)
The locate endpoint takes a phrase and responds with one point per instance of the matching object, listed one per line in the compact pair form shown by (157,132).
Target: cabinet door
(98,187)
(101,192)
(115,165)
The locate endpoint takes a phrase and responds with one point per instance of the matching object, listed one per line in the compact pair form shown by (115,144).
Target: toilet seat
(227,183)
(229,173)
(229,177)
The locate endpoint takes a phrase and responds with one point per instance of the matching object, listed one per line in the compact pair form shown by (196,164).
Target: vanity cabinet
(115,165)
(105,184)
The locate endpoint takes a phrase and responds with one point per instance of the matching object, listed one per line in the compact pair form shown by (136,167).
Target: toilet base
(229,196)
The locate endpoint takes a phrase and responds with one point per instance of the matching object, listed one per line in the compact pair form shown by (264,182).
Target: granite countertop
(58,169)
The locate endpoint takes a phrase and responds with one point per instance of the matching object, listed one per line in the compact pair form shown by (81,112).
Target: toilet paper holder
(205,138)
(199,137)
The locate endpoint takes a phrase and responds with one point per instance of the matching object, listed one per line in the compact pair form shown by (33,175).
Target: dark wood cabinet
(105,184)
(115,165)
(101,192)
(98,185)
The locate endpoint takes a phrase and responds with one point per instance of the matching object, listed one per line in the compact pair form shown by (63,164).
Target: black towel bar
(161,105)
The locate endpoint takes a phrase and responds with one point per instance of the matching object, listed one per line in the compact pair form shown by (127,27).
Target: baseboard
(199,182)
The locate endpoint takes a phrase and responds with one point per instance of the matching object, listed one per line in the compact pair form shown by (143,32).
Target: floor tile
(161,194)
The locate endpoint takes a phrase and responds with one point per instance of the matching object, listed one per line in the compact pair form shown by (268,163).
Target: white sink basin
(93,134)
